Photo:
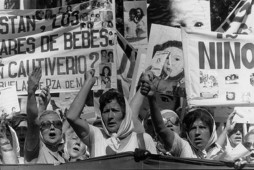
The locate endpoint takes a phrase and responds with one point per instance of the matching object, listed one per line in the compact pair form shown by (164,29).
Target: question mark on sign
(94,56)
(42,28)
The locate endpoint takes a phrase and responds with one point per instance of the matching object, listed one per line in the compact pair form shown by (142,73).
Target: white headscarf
(15,141)
(166,113)
(213,139)
(124,130)
(41,136)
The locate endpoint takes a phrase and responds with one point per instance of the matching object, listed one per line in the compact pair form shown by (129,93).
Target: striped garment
(240,20)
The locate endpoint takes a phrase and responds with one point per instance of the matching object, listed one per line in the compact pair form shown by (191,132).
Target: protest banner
(218,68)
(65,42)
(9,103)
(167,40)
(135,23)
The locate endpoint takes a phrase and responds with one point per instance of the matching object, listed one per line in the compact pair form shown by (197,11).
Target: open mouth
(238,139)
(21,139)
(76,149)
(52,134)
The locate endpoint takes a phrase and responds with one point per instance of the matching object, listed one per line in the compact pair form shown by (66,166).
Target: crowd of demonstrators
(198,138)
(198,125)
(47,140)
(51,137)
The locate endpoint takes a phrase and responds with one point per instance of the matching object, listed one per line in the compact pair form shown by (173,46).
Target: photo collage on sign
(209,85)
(231,79)
(107,58)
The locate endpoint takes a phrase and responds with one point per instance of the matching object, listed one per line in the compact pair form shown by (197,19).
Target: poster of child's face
(174,63)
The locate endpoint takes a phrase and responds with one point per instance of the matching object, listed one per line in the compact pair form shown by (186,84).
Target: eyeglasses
(173,120)
(248,144)
(47,124)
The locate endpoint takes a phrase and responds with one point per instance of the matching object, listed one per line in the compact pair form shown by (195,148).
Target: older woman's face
(236,138)
(174,63)
(171,122)
(51,129)
(199,134)
(249,144)
(112,116)
(75,147)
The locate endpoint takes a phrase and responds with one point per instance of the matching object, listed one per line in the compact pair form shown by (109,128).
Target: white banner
(65,42)
(218,68)
(9,103)
(165,55)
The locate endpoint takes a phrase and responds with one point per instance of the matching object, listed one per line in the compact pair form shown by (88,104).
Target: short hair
(48,112)
(110,95)
(163,46)
(196,114)
(238,126)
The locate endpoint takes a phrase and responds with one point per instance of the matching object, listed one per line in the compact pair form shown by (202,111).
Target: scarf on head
(60,145)
(166,113)
(15,141)
(212,140)
(124,130)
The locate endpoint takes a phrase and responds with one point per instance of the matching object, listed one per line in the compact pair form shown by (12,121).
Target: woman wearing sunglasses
(44,133)
(198,125)
(172,122)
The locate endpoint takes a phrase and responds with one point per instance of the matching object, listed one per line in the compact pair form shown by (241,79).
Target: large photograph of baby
(167,60)
(135,22)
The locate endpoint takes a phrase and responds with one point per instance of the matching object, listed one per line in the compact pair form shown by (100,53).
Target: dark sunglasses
(175,121)
(47,124)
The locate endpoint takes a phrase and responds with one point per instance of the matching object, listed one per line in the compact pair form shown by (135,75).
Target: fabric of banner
(127,161)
